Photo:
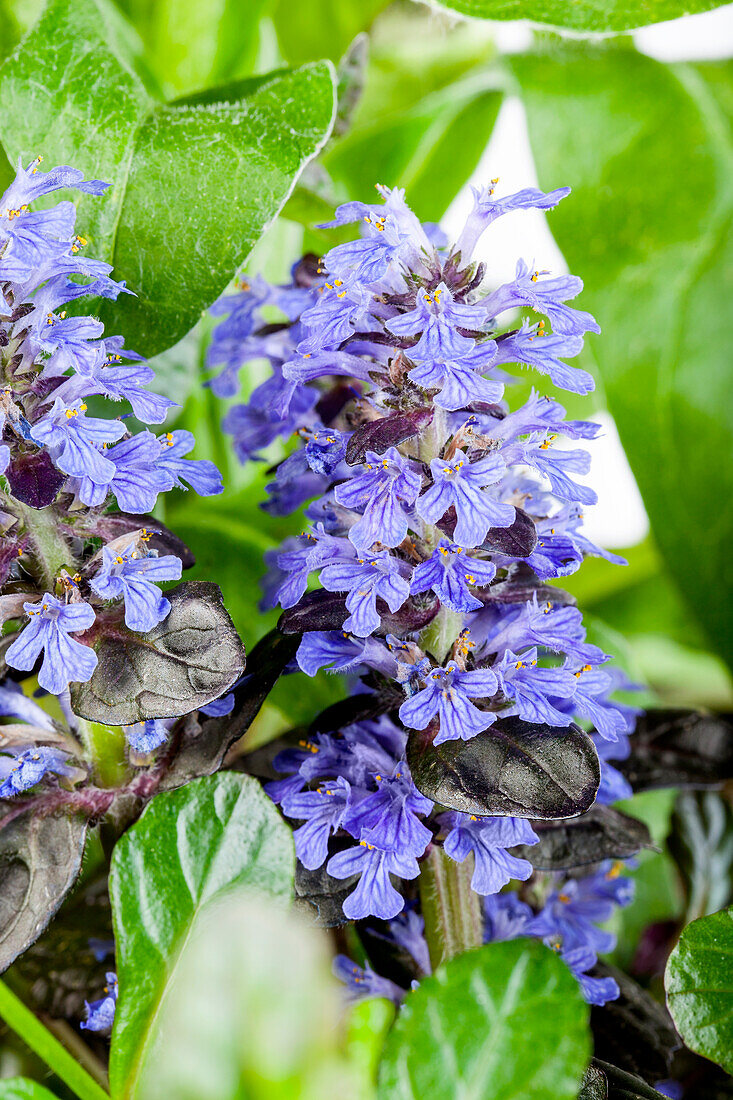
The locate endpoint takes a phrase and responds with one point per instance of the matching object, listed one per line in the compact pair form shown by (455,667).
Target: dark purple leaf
(520,585)
(188,660)
(33,479)
(200,744)
(621,1085)
(40,858)
(514,769)
(380,435)
(679,748)
(321,610)
(634,1032)
(357,708)
(601,833)
(517,541)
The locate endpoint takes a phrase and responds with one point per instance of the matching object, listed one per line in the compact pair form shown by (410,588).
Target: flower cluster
(64,567)
(437,517)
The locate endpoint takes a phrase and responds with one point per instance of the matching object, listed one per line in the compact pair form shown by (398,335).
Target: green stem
(40,1040)
(450,908)
(439,635)
(105,747)
(51,549)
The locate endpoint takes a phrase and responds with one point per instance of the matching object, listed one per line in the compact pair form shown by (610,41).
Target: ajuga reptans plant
(439,514)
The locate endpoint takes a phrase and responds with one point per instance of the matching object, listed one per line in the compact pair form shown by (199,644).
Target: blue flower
(573,911)
(555,628)
(538,349)
(554,465)
(340,310)
(23,771)
(448,572)
(531,688)
(201,475)
(487,209)
(14,704)
(437,317)
(361,981)
(30,239)
(52,621)
(137,476)
(488,838)
(276,408)
(506,917)
(101,1013)
(447,694)
(597,991)
(388,817)
(461,484)
(131,575)
(459,380)
(325,448)
(145,737)
(109,377)
(590,700)
(342,652)
(547,296)
(365,579)
(322,812)
(74,441)
(381,493)
(374,896)
(301,555)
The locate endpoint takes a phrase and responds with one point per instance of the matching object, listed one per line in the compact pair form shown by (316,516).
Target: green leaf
(194,184)
(582,15)
(427,111)
(21,1088)
(252,1011)
(304,32)
(189,46)
(189,846)
(503,1022)
(650,235)
(699,984)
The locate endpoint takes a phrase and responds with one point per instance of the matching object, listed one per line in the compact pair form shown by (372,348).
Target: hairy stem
(105,747)
(439,635)
(450,908)
(51,549)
